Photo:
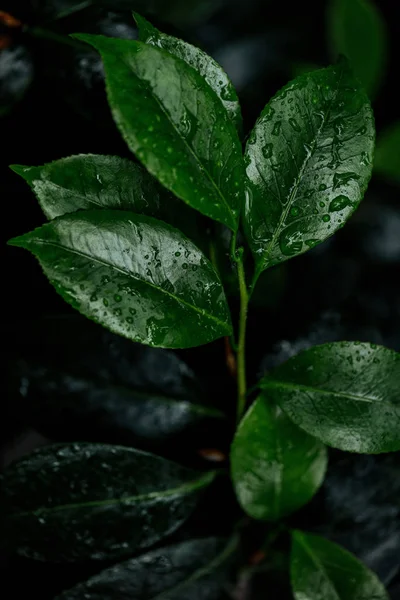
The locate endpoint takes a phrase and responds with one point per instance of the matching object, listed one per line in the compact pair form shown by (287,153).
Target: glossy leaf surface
(308,164)
(77,501)
(208,68)
(192,569)
(356,29)
(346,394)
(135,275)
(276,467)
(387,153)
(322,570)
(175,124)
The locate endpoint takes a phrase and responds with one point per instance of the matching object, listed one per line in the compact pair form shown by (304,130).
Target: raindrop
(322,187)
(184,266)
(295,211)
(277,128)
(294,124)
(129,320)
(105,301)
(267,150)
(343,178)
(290,242)
(326,218)
(311,242)
(339,203)
(117,298)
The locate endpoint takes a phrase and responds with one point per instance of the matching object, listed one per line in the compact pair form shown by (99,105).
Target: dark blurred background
(52,104)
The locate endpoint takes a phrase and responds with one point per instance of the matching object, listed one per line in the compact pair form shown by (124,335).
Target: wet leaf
(357,29)
(308,164)
(387,153)
(137,276)
(175,124)
(78,501)
(208,68)
(276,467)
(194,569)
(105,388)
(89,181)
(346,394)
(322,570)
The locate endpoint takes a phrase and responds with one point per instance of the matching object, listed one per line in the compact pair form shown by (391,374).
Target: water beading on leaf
(208,68)
(357,30)
(137,276)
(346,394)
(78,501)
(276,467)
(175,124)
(309,159)
(194,569)
(322,570)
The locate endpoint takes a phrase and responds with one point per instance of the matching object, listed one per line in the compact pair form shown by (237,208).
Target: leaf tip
(19,169)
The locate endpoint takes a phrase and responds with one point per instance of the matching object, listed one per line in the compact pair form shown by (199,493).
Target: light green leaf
(70,502)
(208,68)
(309,160)
(175,124)
(276,467)
(346,394)
(137,276)
(387,153)
(322,570)
(357,29)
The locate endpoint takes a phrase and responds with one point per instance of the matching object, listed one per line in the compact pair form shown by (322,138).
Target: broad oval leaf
(387,153)
(88,181)
(78,501)
(346,394)
(309,159)
(208,68)
(322,570)
(276,467)
(357,29)
(194,569)
(137,276)
(175,124)
(104,388)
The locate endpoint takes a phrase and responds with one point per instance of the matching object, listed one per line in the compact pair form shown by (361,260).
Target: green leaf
(78,501)
(387,153)
(276,467)
(137,276)
(208,68)
(194,569)
(322,570)
(357,29)
(175,124)
(346,394)
(308,164)
(90,181)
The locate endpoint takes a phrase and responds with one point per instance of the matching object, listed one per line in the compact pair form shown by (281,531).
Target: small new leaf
(78,501)
(188,570)
(346,394)
(208,68)
(276,467)
(322,570)
(309,160)
(137,276)
(175,124)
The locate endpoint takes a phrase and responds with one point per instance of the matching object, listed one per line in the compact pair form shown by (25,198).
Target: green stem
(241,354)
(46,34)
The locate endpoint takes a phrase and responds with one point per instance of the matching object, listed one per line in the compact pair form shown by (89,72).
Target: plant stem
(46,34)
(241,354)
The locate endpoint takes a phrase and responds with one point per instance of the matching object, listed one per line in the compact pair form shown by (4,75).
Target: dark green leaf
(387,153)
(357,30)
(92,181)
(104,388)
(76,501)
(276,467)
(194,569)
(135,275)
(208,68)
(175,124)
(322,570)
(346,394)
(308,163)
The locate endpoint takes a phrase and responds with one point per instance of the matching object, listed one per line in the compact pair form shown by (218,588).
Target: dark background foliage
(53,104)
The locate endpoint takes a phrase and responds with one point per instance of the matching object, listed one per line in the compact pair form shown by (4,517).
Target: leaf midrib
(127,274)
(183,139)
(186,488)
(300,540)
(294,191)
